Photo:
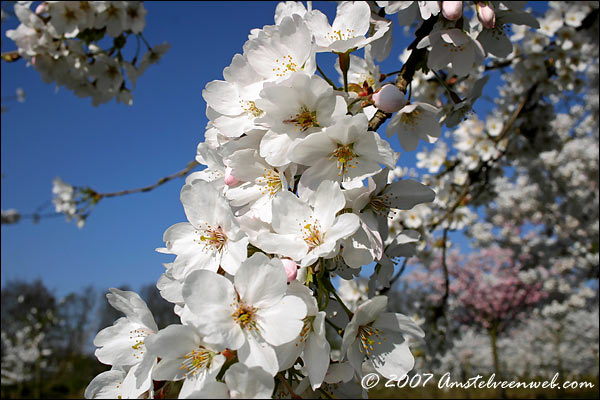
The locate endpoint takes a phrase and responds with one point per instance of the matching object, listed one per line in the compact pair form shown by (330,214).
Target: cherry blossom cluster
(486,288)
(299,188)
(74,202)
(61,39)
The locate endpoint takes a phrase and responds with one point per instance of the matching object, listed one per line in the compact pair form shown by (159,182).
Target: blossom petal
(282,322)
(260,281)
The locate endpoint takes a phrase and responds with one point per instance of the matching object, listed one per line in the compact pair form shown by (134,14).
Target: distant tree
(161,309)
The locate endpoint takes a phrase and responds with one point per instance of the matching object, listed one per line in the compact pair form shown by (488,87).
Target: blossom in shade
(184,355)
(414,122)
(380,338)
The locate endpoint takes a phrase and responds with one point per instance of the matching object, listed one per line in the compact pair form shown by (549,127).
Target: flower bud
(229,179)
(389,99)
(291,269)
(486,14)
(41,8)
(452,10)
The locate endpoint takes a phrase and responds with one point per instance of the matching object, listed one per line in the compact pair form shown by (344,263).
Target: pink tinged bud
(42,8)
(291,269)
(33,60)
(389,99)
(452,10)
(229,179)
(486,14)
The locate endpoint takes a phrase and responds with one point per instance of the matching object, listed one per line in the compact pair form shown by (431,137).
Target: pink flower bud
(41,8)
(229,179)
(452,10)
(389,99)
(33,60)
(291,269)
(486,14)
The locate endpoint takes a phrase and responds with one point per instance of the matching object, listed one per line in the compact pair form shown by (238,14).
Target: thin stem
(161,181)
(452,95)
(327,79)
(287,386)
(337,328)
(344,66)
(396,277)
(353,102)
(137,50)
(445,268)
(392,73)
(145,41)
(346,309)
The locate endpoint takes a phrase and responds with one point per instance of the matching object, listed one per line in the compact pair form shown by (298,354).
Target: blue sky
(114,147)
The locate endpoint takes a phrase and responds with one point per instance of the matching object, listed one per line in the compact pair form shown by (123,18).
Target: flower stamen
(345,158)
(304,119)
(196,360)
(213,239)
(245,316)
(369,337)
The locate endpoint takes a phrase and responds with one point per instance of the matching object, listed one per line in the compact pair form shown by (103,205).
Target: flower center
(112,11)
(339,35)
(271,181)
(284,65)
(138,336)
(455,49)
(369,337)
(381,204)
(312,235)
(250,108)
(411,119)
(345,158)
(132,12)
(69,14)
(213,239)
(245,316)
(196,360)
(84,6)
(305,119)
(306,329)
(112,72)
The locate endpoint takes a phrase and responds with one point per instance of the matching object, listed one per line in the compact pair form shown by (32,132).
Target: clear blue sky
(114,147)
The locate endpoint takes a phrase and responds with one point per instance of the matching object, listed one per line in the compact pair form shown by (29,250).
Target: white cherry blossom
(306,229)
(211,239)
(250,315)
(413,122)
(380,338)
(346,152)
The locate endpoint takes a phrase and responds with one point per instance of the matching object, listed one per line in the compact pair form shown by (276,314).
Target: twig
(445,269)
(395,278)
(337,328)
(287,386)
(408,69)
(191,165)
(327,79)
